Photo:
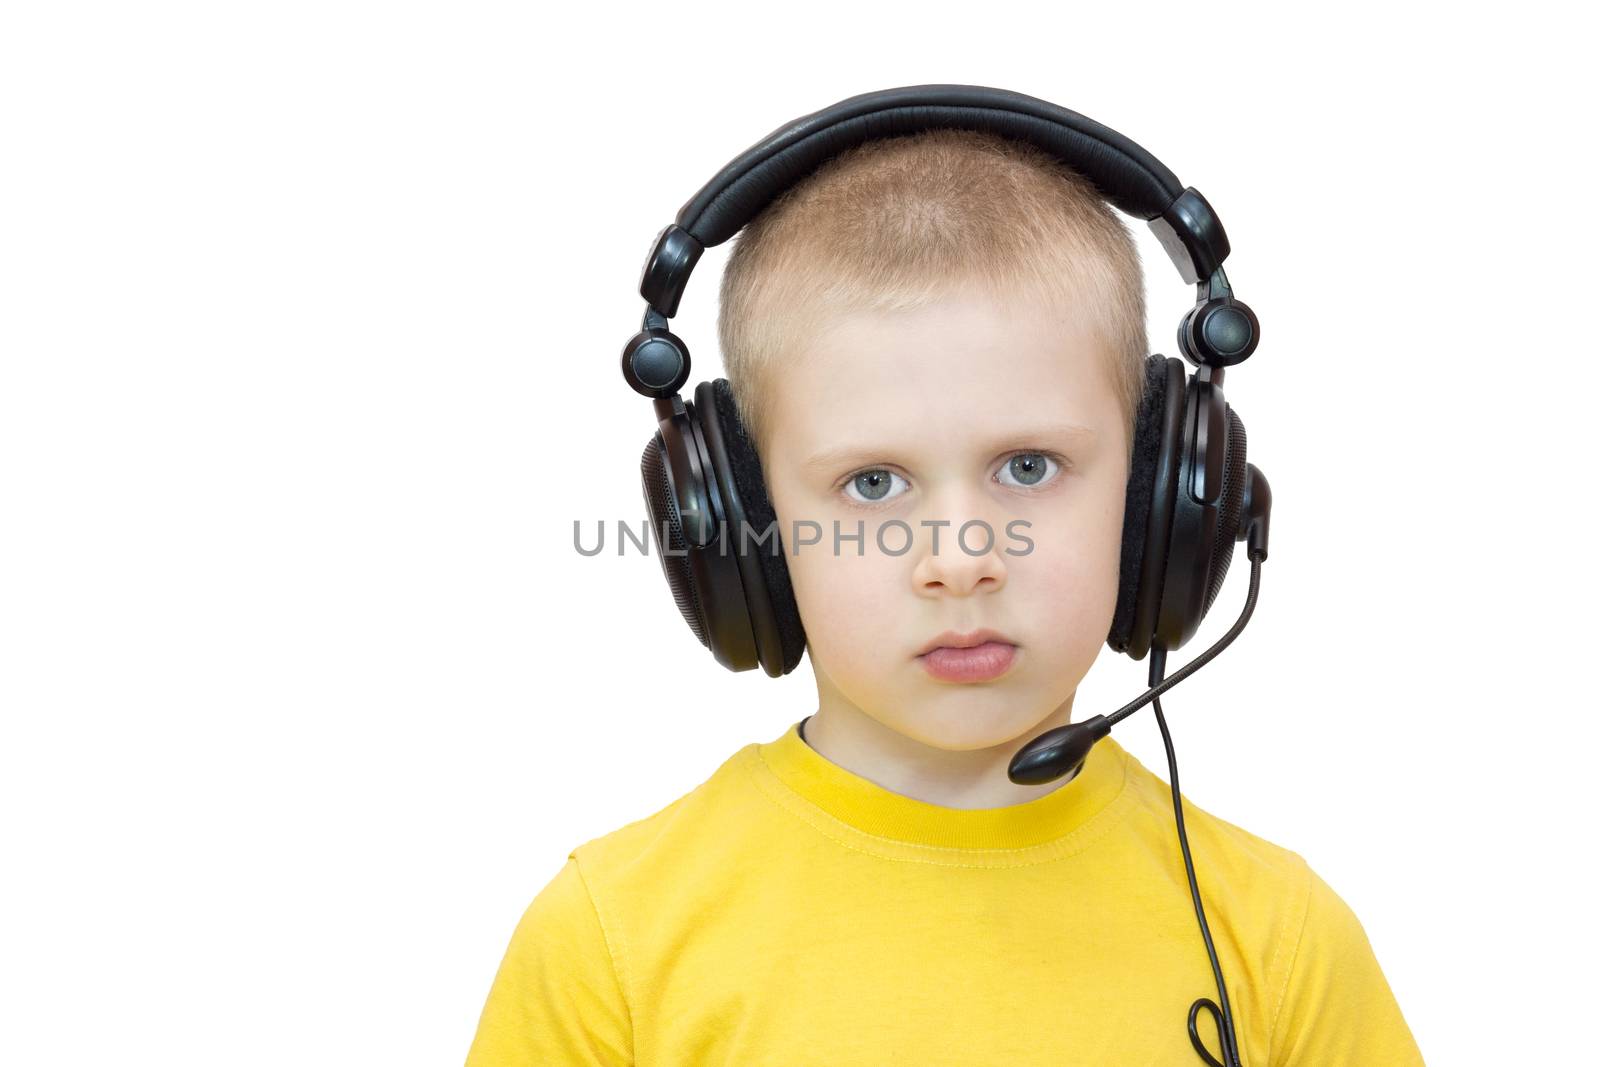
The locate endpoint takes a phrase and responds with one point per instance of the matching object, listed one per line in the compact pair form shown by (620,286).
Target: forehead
(964,368)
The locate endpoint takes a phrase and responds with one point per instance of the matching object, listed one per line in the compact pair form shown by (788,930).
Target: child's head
(945,308)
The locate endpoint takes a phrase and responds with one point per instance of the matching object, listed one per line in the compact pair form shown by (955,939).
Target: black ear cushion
(1141,493)
(745,465)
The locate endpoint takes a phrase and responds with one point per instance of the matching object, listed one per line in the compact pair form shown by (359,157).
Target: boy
(931,329)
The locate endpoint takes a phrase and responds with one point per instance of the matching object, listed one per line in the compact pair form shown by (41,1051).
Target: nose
(966,560)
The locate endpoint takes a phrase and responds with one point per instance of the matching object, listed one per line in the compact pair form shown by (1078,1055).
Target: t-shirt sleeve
(1337,1007)
(556,997)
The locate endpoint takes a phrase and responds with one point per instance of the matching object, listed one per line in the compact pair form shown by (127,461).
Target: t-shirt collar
(878,811)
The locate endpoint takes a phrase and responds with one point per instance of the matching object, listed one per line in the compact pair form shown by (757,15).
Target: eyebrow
(845,455)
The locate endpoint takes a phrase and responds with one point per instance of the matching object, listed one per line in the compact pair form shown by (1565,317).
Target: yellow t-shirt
(789,913)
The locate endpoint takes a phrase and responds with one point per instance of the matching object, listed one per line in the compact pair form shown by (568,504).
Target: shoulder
(1334,1003)
(1238,865)
(709,816)
(1233,854)
(559,995)
(1254,888)
(566,986)
(1323,994)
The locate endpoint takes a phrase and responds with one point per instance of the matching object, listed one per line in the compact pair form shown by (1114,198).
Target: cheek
(1071,597)
(1069,579)
(845,598)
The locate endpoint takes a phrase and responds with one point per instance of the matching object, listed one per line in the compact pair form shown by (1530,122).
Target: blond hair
(894,223)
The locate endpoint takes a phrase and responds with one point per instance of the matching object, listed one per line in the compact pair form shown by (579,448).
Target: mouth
(976,657)
(951,639)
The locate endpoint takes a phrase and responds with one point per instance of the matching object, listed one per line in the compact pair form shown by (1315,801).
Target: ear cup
(1147,513)
(769,593)
(687,513)
(661,506)
(1208,502)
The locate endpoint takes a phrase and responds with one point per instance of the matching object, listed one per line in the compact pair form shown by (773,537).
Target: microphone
(1062,750)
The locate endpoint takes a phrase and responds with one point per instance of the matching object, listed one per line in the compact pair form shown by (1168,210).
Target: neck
(966,778)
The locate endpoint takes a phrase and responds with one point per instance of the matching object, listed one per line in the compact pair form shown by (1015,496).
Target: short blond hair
(893,224)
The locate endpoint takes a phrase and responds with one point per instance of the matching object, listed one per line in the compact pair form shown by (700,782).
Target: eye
(1030,469)
(872,485)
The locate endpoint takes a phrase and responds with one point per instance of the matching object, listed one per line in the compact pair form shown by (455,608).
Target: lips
(951,639)
(980,663)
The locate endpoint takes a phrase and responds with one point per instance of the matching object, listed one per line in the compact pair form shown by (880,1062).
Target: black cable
(1223,1017)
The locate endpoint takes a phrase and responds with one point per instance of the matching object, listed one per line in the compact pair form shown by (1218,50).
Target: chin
(956,731)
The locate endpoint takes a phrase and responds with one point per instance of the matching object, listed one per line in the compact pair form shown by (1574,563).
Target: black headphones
(703,483)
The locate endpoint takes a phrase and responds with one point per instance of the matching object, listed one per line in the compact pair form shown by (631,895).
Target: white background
(311,318)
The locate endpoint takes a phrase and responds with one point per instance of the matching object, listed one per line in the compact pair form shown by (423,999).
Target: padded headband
(1129,177)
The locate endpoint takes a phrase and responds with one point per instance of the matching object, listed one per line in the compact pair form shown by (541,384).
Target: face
(907,425)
